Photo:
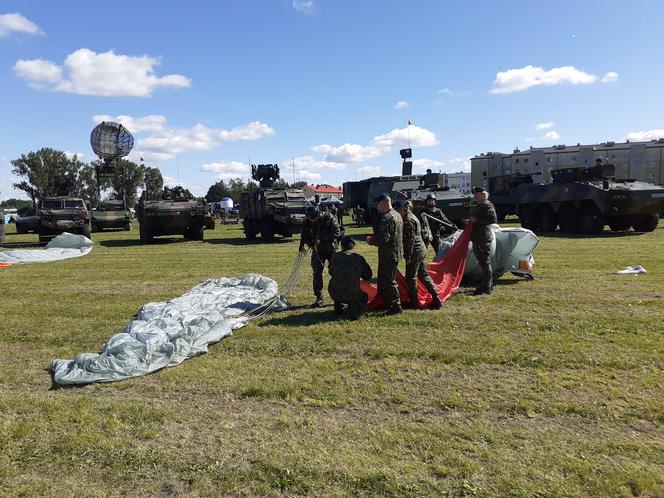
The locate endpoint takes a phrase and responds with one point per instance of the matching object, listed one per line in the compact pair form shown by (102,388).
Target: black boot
(338,309)
(436,303)
(481,290)
(318,303)
(395,309)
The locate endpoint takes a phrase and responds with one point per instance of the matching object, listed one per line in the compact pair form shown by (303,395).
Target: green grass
(547,388)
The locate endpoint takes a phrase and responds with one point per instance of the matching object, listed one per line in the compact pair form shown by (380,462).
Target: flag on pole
(410,123)
(142,159)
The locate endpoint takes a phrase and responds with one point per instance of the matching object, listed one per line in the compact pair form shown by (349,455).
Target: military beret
(347,241)
(478,190)
(398,204)
(381,197)
(312,211)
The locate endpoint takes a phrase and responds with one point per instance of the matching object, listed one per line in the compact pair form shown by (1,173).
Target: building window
(573,159)
(516,161)
(548,159)
(525,160)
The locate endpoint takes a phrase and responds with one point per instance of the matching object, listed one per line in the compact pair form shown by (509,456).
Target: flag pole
(408,127)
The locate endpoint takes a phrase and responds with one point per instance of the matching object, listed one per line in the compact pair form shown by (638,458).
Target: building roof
(325,189)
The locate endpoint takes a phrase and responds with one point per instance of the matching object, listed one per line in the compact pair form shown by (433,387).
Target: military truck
(110,214)
(59,214)
(176,213)
(25,224)
(359,196)
(579,200)
(271,210)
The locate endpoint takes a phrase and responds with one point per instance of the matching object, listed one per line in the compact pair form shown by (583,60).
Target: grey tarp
(511,251)
(64,246)
(165,334)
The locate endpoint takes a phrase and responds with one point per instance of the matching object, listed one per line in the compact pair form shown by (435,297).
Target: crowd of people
(399,234)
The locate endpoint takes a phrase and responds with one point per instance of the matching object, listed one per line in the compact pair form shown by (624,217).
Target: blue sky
(206,85)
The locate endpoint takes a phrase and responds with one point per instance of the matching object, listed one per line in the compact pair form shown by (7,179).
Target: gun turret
(265,174)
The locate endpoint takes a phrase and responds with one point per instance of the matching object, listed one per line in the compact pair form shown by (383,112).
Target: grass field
(553,387)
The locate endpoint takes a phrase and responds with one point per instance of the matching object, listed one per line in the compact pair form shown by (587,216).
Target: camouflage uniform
(389,239)
(346,268)
(415,253)
(438,230)
(485,215)
(321,235)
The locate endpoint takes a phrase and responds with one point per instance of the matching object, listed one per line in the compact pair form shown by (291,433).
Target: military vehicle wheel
(620,223)
(145,234)
(591,221)
(267,232)
(568,219)
(127,227)
(198,233)
(646,223)
(547,220)
(86,231)
(249,229)
(527,216)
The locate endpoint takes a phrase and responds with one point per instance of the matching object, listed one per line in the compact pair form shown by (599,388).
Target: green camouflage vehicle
(110,214)
(59,214)
(176,213)
(271,210)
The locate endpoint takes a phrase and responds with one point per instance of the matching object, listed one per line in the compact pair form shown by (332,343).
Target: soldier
(389,239)
(483,214)
(346,268)
(439,229)
(320,233)
(415,253)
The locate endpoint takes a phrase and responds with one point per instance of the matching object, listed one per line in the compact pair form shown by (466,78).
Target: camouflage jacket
(413,245)
(437,229)
(389,237)
(324,229)
(485,215)
(346,269)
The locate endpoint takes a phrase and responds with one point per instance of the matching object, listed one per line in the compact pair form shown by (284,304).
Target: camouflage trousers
(482,252)
(417,268)
(387,282)
(318,259)
(435,243)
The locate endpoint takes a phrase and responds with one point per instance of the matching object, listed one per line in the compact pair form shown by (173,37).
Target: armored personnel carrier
(579,200)
(176,213)
(271,210)
(110,214)
(359,196)
(59,214)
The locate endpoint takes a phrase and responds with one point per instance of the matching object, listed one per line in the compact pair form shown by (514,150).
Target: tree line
(234,187)
(44,171)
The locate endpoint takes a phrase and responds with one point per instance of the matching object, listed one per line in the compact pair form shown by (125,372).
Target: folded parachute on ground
(64,246)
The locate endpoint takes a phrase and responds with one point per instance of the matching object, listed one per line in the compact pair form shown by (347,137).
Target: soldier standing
(439,225)
(389,239)
(415,253)
(320,233)
(346,269)
(483,214)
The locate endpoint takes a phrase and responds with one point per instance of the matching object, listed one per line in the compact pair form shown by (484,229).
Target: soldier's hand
(472,219)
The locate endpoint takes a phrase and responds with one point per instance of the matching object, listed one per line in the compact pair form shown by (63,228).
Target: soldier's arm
(408,239)
(366,269)
(485,215)
(384,235)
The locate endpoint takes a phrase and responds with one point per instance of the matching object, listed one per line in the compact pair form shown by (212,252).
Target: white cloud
(413,135)
(347,153)
(643,136)
(463,162)
(152,122)
(424,164)
(306,175)
(367,171)
(446,92)
(610,77)
(225,170)
(305,6)
(101,74)
(545,126)
(402,104)
(518,80)
(16,23)
(170,142)
(70,155)
(252,131)
(551,135)
(309,163)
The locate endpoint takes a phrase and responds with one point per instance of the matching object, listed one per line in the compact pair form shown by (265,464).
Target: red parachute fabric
(446,274)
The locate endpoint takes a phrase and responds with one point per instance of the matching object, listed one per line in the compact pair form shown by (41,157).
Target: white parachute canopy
(64,246)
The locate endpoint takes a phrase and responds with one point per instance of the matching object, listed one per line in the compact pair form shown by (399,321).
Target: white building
(458,180)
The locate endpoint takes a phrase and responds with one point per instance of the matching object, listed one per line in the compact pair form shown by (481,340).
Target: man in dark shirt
(483,215)
(320,233)
(346,269)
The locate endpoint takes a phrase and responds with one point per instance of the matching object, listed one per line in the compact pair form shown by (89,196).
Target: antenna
(293,162)
(110,141)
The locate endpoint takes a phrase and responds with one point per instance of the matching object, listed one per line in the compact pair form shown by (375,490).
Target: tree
(299,185)
(23,207)
(128,177)
(217,191)
(154,182)
(87,176)
(40,172)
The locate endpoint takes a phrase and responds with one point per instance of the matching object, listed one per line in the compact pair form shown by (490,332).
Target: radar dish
(111,140)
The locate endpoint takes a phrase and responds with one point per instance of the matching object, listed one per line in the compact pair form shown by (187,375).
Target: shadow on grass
(137,242)
(602,235)
(306,319)
(241,241)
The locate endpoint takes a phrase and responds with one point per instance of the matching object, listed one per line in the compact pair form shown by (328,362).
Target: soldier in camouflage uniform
(346,269)
(320,233)
(389,239)
(415,253)
(482,215)
(439,229)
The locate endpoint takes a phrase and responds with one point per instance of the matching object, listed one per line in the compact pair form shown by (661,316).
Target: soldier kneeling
(346,268)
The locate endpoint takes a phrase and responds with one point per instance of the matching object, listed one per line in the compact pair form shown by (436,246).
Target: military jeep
(59,214)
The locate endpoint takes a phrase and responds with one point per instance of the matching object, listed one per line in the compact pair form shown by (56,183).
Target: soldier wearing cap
(415,253)
(439,225)
(346,269)
(389,239)
(320,233)
(483,215)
